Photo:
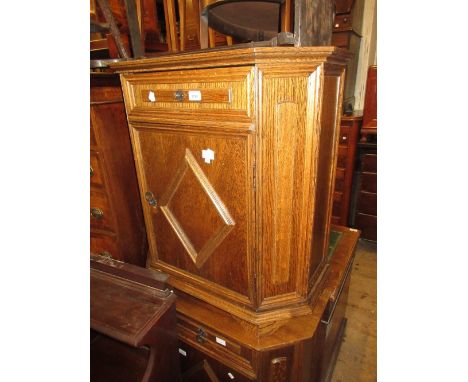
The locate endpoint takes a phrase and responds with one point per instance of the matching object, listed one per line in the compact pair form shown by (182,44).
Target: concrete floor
(357,360)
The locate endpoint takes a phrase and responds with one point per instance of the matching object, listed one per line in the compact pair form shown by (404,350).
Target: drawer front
(367,203)
(196,366)
(369,182)
(342,23)
(336,210)
(339,179)
(336,219)
(104,245)
(368,226)
(216,345)
(342,157)
(341,39)
(96,171)
(100,212)
(344,136)
(369,163)
(191,94)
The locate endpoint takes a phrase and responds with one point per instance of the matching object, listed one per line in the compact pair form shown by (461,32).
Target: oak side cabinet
(235,153)
(116,216)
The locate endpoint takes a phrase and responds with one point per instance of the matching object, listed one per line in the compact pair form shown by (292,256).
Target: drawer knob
(97,213)
(344,138)
(91,171)
(179,95)
(150,199)
(201,336)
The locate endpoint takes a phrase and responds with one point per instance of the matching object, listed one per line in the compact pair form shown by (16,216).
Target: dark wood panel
(114,187)
(368,203)
(368,226)
(369,182)
(369,163)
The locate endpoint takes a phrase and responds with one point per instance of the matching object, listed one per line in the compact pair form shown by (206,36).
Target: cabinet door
(197,190)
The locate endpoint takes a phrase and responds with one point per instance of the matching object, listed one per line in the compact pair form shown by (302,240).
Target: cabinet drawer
(339,179)
(344,137)
(342,156)
(100,213)
(220,347)
(369,182)
(342,23)
(104,245)
(96,173)
(367,203)
(336,209)
(199,367)
(341,39)
(369,163)
(191,94)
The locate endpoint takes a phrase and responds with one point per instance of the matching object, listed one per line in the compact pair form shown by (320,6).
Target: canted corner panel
(198,257)
(287,151)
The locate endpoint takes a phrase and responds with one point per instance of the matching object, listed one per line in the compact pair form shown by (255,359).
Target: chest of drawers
(347,151)
(116,217)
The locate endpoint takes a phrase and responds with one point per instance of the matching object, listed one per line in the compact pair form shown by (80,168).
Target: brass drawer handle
(179,95)
(91,171)
(97,213)
(201,336)
(149,196)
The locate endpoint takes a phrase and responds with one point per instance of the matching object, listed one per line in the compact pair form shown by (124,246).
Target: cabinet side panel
(329,134)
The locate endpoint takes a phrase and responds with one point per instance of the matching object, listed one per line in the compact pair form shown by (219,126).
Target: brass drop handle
(201,336)
(91,171)
(97,213)
(149,196)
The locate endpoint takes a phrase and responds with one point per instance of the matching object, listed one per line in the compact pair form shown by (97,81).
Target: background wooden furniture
(117,225)
(366,211)
(347,152)
(133,323)
(219,139)
(366,191)
(369,122)
(347,32)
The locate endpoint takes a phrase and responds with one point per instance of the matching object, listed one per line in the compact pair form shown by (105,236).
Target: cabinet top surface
(236,56)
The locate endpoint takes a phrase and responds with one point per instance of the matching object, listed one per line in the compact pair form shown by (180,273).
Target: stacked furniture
(347,152)
(366,194)
(347,33)
(236,153)
(116,216)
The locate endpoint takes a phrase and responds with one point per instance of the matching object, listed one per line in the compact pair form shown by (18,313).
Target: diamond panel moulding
(174,192)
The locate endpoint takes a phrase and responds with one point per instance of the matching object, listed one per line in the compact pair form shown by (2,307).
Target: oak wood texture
(130,308)
(349,136)
(287,350)
(247,232)
(120,231)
